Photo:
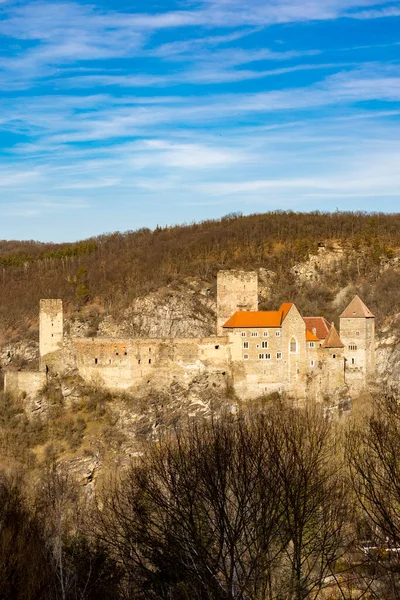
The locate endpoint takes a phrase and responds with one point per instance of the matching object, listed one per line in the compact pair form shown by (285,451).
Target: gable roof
(320,324)
(270,318)
(333,340)
(356,309)
(310,337)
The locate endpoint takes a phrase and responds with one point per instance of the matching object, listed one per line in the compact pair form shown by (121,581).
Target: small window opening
(96,360)
(246,356)
(149,349)
(353,361)
(138,362)
(217,347)
(293,346)
(149,361)
(333,355)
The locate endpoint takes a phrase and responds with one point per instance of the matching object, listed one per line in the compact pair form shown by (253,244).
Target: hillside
(111,271)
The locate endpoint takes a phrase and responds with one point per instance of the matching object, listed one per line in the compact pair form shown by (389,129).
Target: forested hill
(111,270)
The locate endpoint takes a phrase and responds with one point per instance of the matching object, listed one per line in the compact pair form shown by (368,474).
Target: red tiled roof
(356,309)
(270,318)
(333,340)
(320,324)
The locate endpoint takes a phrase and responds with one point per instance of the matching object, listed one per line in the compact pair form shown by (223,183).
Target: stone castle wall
(236,291)
(257,360)
(123,364)
(358,336)
(28,382)
(51,328)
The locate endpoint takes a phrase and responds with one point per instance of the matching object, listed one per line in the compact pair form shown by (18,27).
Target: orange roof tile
(285,307)
(310,337)
(333,340)
(320,325)
(356,309)
(270,318)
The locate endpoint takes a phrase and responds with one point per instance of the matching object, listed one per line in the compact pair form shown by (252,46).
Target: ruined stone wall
(50,328)
(236,291)
(122,364)
(28,382)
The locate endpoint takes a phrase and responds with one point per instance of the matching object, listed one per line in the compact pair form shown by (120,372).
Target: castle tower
(50,329)
(357,331)
(236,291)
(332,362)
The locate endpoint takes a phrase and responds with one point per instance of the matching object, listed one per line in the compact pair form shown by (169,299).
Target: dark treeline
(114,269)
(271,504)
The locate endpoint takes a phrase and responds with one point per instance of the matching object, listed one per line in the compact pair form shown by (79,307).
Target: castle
(259,352)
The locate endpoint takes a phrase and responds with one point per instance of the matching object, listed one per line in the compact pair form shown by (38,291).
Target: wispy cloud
(218,104)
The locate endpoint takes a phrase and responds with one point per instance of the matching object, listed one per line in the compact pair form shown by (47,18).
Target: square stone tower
(236,291)
(357,331)
(50,329)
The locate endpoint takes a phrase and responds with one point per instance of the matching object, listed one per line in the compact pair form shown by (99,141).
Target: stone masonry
(259,352)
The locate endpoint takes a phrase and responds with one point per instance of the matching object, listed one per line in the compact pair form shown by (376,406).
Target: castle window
(311,344)
(254,334)
(353,361)
(278,333)
(217,347)
(279,355)
(265,333)
(264,344)
(245,345)
(96,360)
(333,355)
(267,357)
(293,346)
(138,362)
(357,334)
(149,361)
(261,357)
(149,349)
(246,356)
(352,347)
(312,363)
(243,334)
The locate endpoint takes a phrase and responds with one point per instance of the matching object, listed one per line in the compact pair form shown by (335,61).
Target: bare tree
(239,508)
(374,456)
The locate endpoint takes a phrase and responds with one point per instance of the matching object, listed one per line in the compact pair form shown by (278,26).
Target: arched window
(293,346)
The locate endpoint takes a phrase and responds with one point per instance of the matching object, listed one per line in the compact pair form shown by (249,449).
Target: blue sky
(117,115)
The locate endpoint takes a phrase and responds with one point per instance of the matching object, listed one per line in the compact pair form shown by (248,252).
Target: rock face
(188,312)
(318,265)
(388,354)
